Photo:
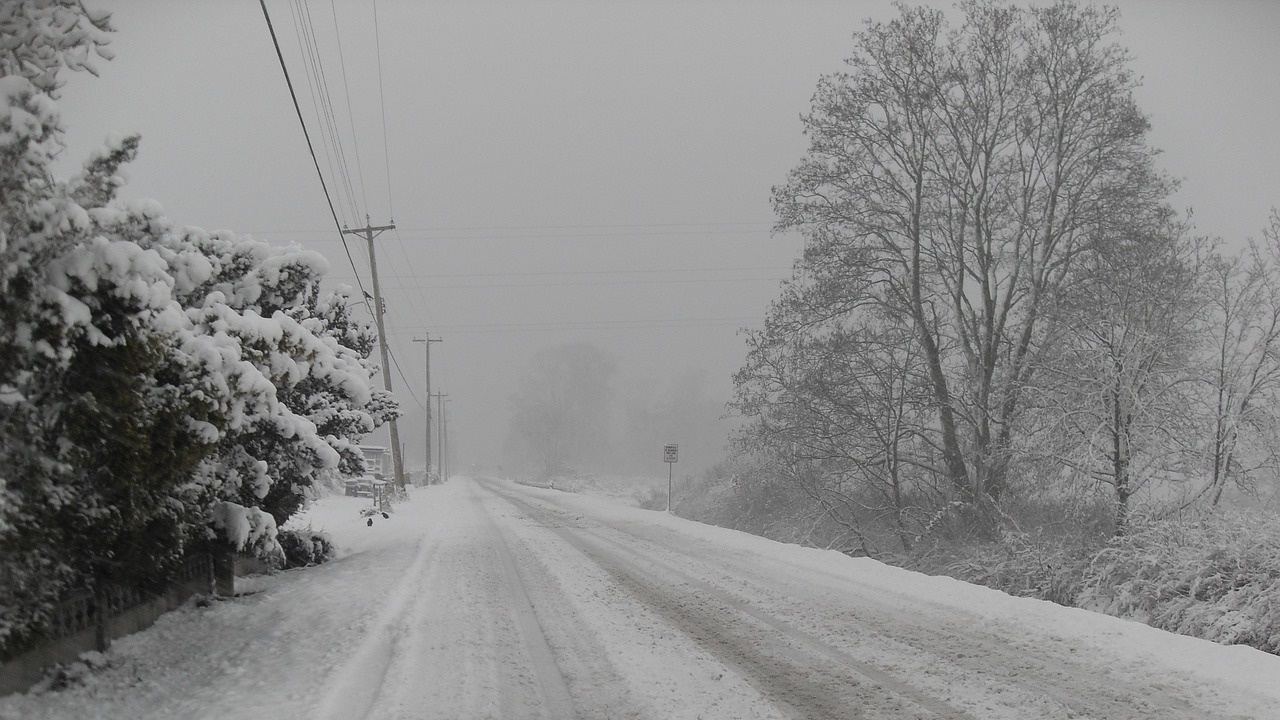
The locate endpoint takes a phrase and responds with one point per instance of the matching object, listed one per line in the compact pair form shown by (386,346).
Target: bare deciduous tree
(1243,369)
(1119,388)
(842,406)
(954,176)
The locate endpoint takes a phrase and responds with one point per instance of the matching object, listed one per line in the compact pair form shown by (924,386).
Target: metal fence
(90,620)
(85,610)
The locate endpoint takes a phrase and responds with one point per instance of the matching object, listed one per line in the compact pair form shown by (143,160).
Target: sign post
(670,454)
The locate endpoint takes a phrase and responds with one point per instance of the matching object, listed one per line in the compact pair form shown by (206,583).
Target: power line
(604,283)
(468,228)
(310,147)
(670,323)
(351,116)
(382,100)
(583,236)
(587,272)
(330,120)
(407,385)
(315,92)
(592,328)
(426,307)
(314,70)
(413,307)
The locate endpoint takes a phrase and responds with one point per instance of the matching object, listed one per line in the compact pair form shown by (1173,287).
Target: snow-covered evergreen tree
(160,388)
(306,355)
(97,441)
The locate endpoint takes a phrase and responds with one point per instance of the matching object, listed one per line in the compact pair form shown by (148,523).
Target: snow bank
(1109,637)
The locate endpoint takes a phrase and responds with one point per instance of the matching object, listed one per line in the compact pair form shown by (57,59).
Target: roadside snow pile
(1218,579)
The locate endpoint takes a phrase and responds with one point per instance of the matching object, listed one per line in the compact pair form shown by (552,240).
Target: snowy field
(485,599)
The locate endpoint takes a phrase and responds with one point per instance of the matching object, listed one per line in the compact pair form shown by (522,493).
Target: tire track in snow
(557,700)
(797,673)
(1014,676)
(1054,682)
(619,657)
(356,686)
(804,640)
(805,694)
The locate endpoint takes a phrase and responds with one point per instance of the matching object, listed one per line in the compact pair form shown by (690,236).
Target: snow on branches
(160,387)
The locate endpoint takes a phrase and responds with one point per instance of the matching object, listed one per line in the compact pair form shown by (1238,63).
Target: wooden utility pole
(426,343)
(440,434)
(369,232)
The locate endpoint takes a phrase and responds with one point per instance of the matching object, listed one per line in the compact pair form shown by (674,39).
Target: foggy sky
(582,171)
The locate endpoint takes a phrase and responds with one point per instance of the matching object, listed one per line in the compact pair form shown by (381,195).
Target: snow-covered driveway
(484,599)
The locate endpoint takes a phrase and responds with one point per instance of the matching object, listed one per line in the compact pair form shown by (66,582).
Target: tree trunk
(1119,463)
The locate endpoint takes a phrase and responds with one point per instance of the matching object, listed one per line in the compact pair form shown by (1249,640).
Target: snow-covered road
(484,599)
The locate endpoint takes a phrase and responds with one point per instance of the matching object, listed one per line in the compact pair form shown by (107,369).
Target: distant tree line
(996,307)
(567,417)
(162,389)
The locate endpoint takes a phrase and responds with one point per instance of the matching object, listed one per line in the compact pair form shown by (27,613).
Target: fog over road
(486,599)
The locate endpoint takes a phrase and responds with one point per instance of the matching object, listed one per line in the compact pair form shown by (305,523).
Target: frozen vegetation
(163,390)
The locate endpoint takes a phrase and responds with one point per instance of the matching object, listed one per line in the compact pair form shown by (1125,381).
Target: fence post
(100,611)
(224,572)
(207,566)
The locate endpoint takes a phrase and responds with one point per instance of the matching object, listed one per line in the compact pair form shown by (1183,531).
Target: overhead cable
(276,42)
(382,100)
(351,117)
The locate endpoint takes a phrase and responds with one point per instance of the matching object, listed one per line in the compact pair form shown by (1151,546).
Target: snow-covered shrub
(305,547)
(72,674)
(652,498)
(743,493)
(1216,578)
(160,388)
(1035,564)
(97,429)
(1042,545)
(301,352)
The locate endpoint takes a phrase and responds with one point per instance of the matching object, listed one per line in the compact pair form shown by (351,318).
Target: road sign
(669,454)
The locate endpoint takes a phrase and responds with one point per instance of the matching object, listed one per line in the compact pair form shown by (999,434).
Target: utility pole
(369,232)
(440,433)
(426,341)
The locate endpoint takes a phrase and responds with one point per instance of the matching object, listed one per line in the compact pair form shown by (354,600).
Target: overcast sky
(580,171)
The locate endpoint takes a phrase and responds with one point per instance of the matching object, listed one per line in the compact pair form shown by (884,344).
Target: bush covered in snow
(1216,578)
(161,388)
(77,672)
(1035,564)
(305,547)
(740,494)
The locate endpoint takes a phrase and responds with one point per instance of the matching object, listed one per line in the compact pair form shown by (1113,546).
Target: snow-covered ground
(484,599)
